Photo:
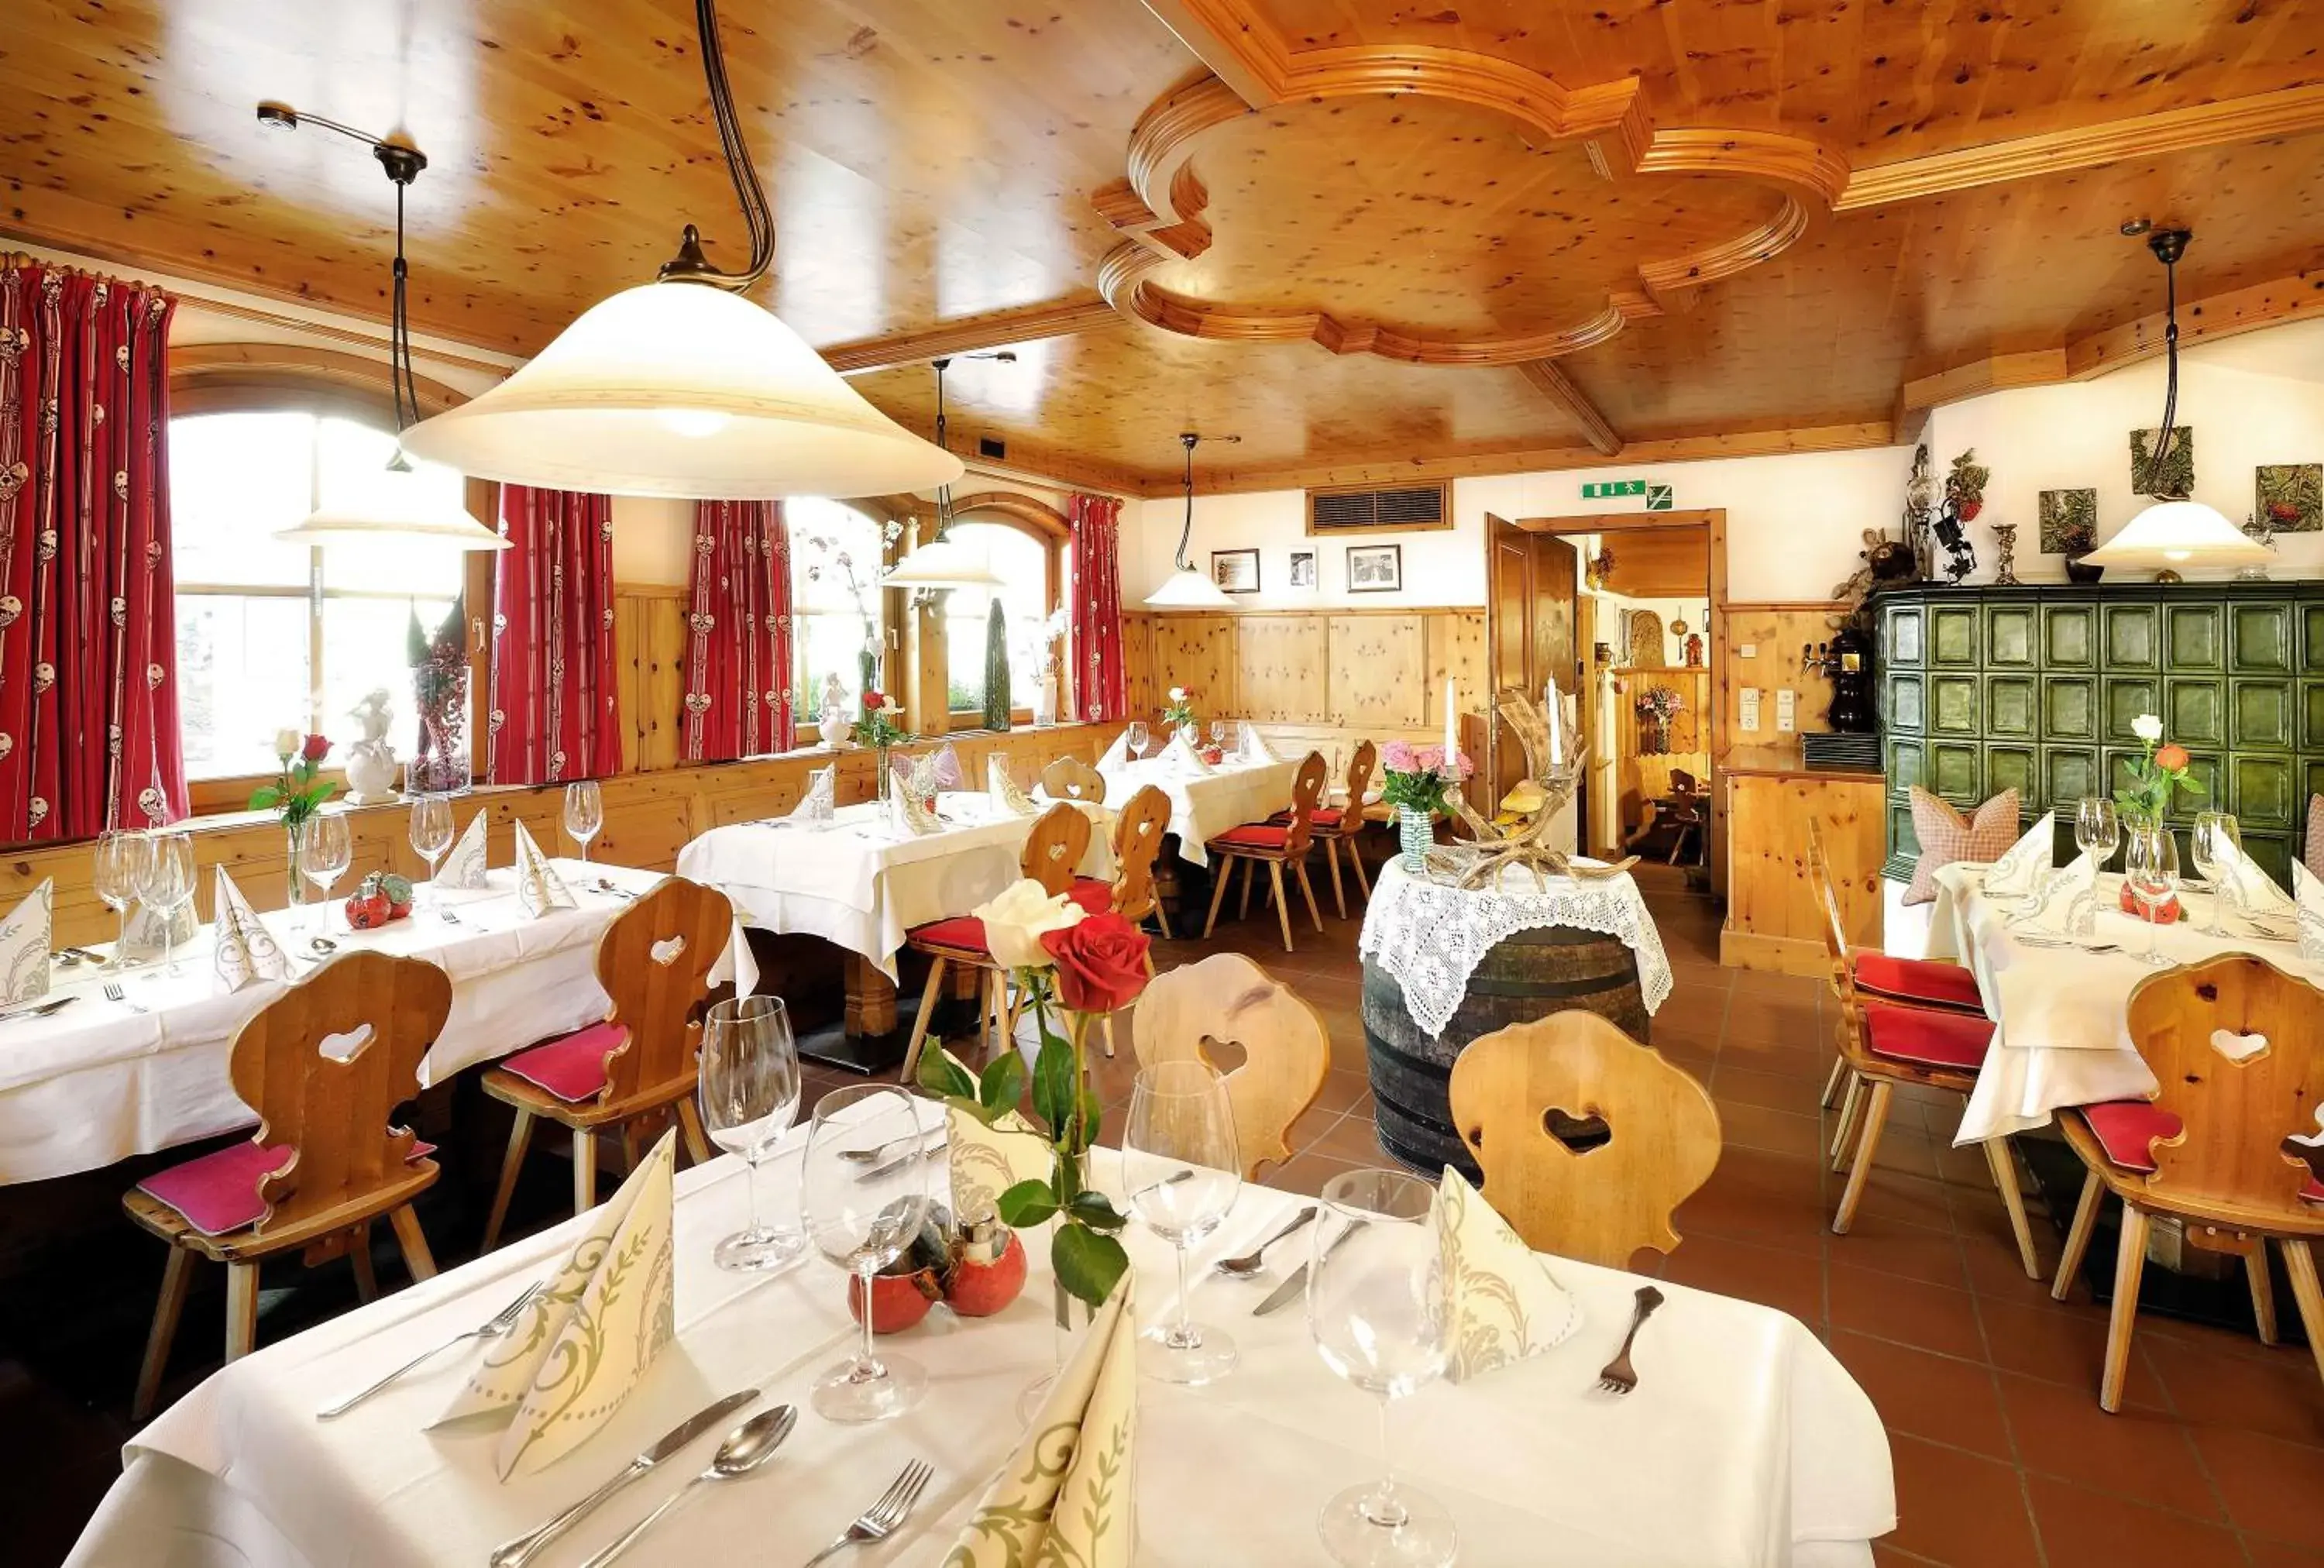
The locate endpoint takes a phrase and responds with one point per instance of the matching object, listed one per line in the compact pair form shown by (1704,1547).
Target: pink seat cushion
(1917,980)
(1091,894)
(217,1194)
(2126,1131)
(961,931)
(1327,817)
(1254,835)
(1951,1040)
(572,1067)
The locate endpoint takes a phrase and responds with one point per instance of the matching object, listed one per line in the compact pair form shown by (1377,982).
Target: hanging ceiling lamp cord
(943,491)
(1187,533)
(403,385)
(2168,246)
(690,265)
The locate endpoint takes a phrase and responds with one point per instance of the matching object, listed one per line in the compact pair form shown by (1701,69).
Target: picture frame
(1235,571)
(1303,569)
(1374,568)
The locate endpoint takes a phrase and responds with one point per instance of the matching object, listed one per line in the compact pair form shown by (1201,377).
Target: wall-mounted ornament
(2069,519)
(2176,477)
(1920,496)
(2289,497)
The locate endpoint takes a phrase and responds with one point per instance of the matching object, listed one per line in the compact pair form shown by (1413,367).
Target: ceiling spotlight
(2133,228)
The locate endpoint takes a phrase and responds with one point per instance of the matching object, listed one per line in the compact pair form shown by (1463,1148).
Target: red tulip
(873,702)
(2171,759)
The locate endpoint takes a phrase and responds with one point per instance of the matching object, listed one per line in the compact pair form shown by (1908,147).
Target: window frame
(1048,527)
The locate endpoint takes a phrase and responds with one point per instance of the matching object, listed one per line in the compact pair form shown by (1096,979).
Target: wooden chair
(1339,825)
(325,1064)
(1885,1044)
(1515,1090)
(1226,999)
(1274,845)
(1138,831)
(1052,850)
(1071,779)
(654,961)
(2238,1048)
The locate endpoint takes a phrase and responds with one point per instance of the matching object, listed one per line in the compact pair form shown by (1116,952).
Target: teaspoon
(747,1447)
(1249,1264)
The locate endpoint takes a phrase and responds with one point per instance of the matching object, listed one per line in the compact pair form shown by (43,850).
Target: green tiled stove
(2035,687)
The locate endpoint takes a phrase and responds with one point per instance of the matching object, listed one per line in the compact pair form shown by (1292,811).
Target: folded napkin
(1251,745)
(1180,756)
(939,770)
(582,1345)
(1068,1494)
(987,1161)
(1504,1305)
(2248,890)
(539,888)
(821,799)
(2309,896)
(464,866)
(24,945)
(948,771)
(243,950)
(144,936)
(2019,872)
(909,817)
(1003,791)
(2065,902)
(1117,755)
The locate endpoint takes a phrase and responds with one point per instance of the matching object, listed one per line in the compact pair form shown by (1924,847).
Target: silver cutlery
(890,1166)
(879,1151)
(606,886)
(746,1448)
(1295,1283)
(492,1328)
(449,918)
(112,993)
(521,1551)
(38,1009)
(1619,1376)
(878,1521)
(324,945)
(1250,1262)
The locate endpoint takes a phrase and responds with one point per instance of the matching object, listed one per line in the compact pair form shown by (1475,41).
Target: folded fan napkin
(144,936)
(582,1346)
(949,772)
(2020,871)
(1117,755)
(2248,891)
(2065,903)
(464,866)
(1251,745)
(243,950)
(1180,755)
(821,799)
(1506,1306)
(2308,895)
(1066,1495)
(909,816)
(1003,790)
(24,945)
(987,1161)
(539,888)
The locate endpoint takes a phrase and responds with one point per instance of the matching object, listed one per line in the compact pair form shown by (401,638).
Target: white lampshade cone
(396,503)
(943,563)
(2174,534)
(683,390)
(1188,590)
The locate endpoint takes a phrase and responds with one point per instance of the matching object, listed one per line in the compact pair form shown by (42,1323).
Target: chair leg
(241,1309)
(2005,1177)
(1307,892)
(929,993)
(690,1123)
(175,1276)
(359,1258)
(1876,1122)
(1220,876)
(1356,862)
(2262,1289)
(1332,859)
(1835,1084)
(1250,870)
(2300,1263)
(1282,906)
(1843,1137)
(413,1241)
(2129,1265)
(585,1170)
(2077,1236)
(520,1139)
(1162,920)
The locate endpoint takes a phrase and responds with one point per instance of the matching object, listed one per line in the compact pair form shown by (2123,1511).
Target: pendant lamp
(1186,588)
(944,561)
(681,387)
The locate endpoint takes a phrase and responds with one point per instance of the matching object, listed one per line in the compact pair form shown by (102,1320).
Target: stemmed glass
(1140,738)
(325,851)
(2097,830)
(2150,867)
(1379,1306)
(431,835)
(1181,1172)
(2216,846)
(585,813)
(1218,733)
(165,885)
(862,1219)
(120,858)
(750,1092)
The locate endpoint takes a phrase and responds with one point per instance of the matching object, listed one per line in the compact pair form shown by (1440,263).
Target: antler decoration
(1481,865)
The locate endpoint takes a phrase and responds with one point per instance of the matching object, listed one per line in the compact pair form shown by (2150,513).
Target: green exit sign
(1597,490)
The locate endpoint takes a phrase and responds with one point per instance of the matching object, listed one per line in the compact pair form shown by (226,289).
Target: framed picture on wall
(1235,571)
(1303,569)
(1374,568)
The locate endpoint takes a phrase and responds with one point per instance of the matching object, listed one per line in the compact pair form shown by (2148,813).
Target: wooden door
(1556,587)
(1510,645)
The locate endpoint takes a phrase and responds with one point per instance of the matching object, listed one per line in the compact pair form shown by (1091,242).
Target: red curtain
(738,658)
(89,640)
(554,717)
(1096,646)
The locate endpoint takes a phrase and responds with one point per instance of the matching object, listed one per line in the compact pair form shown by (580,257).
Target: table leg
(870,998)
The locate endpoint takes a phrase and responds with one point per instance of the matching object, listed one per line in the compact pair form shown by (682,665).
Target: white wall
(1446,567)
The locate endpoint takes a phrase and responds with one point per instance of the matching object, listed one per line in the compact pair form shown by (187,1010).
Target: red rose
(2171,759)
(873,702)
(315,748)
(1100,963)
(1970,509)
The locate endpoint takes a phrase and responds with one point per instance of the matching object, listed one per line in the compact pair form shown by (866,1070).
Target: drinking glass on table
(749,1093)
(119,857)
(861,1218)
(1379,1307)
(2151,869)
(2216,846)
(325,851)
(1139,739)
(165,885)
(431,835)
(2097,829)
(1181,1172)
(585,813)
(1218,731)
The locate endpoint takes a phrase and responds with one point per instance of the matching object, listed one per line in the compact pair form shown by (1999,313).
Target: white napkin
(2309,896)
(1117,755)
(1181,756)
(24,945)
(2246,890)
(909,817)
(1002,789)
(539,888)
(815,808)
(144,938)
(2019,872)
(1251,745)
(1506,1306)
(464,866)
(244,952)
(2065,902)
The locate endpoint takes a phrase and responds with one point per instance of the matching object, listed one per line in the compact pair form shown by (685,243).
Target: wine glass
(861,1218)
(585,813)
(1379,1306)
(2097,830)
(1219,732)
(749,1093)
(2216,846)
(431,835)
(325,851)
(1140,738)
(1181,1172)
(120,856)
(2150,867)
(165,885)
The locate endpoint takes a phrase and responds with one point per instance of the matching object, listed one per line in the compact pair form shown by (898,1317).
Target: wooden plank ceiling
(1618,228)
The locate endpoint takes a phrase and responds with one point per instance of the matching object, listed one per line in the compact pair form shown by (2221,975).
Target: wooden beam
(1558,387)
(1242,49)
(971,334)
(2298,297)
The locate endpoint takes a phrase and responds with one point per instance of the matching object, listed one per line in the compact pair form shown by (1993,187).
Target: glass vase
(1416,832)
(882,760)
(294,835)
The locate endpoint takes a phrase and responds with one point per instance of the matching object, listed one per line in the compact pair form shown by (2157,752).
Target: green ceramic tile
(1907,765)
(2069,707)
(2133,636)
(2194,637)
(1903,640)
(2195,711)
(2260,716)
(2009,633)
(2069,636)
(1905,707)
(2010,704)
(2014,767)
(2265,790)
(2126,697)
(2259,640)
(1953,705)
(1954,772)
(2311,639)
(2068,773)
(1953,634)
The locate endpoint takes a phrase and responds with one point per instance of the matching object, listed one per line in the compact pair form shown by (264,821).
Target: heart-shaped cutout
(1226,1056)
(346,1046)
(1578,1134)
(2238,1048)
(665,951)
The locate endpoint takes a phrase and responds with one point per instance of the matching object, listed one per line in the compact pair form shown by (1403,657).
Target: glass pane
(352,457)
(242,674)
(233,480)
(367,647)
(835,596)
(1021,561)
(827,645)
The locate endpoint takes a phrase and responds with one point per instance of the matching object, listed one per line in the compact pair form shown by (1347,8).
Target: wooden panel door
(1556,587)
(1509,642)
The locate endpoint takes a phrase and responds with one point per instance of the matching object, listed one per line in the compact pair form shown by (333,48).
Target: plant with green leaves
(996,668)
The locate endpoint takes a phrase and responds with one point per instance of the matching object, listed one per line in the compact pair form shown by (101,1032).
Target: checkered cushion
(1947,838)
(2314,854)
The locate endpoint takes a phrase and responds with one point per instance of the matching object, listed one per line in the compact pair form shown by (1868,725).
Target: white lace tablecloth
(1430,938)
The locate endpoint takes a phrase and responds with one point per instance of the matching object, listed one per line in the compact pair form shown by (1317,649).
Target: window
(1021,561)
(273,636)
(835,600)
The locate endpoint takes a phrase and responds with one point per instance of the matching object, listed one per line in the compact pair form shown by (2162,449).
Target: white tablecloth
(1745,1444)
(2061,1018)
(1205,805)
(97,1082)
(857,884)
(1430,938)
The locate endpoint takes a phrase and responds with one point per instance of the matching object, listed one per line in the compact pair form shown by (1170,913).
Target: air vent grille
(1404,509)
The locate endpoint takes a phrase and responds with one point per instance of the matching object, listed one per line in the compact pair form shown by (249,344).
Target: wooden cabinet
(1773,918)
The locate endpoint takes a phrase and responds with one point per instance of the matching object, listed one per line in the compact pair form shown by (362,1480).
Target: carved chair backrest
(654,961)
(1071,779)
(1286,1049)
(1138,833)
(1056,848)
(1306,794)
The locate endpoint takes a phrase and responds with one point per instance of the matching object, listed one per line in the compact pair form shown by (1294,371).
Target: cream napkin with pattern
(821,799)
(24,945)
(582,1346)
(987,1161)
(1003,790)
(2308,894)
(2246,890)
(909,817)
(1506,1306)
(1066,1496)
(143,937)
(243,950)
(464,866)
(539,888)
(1181,756)
(2064,903)
(2019,872)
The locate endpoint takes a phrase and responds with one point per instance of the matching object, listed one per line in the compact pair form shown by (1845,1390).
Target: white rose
(1177,694)
(2146,727)
(287,743)
(1015,922)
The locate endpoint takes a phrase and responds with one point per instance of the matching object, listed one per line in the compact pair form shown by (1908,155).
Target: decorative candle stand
(1527,845)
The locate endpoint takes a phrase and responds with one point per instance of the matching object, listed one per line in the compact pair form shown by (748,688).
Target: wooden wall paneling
(1652,565)
(1142,697)
(1281,669)
(1456,652)
(1772,918)
(649,637)
(1774,632)
(1378,667)
(1197,652)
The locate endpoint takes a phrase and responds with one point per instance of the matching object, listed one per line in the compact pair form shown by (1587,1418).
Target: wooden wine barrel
(1529,975)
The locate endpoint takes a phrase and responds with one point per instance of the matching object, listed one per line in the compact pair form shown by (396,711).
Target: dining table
(1205,799)
(105,1077)
(1744,1444)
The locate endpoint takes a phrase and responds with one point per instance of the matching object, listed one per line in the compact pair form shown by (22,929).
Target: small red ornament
(2166,913)
(987,1270)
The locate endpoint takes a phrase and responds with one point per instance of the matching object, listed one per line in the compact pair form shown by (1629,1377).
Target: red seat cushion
(572,1067)
(1951,1040)
(1091,894)
(1254,835)
(1917,980)
(958,931)
(2126,1131)
(217,1194)
(1327,817)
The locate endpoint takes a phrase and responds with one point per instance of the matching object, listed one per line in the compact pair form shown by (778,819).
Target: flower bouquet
(295,793)
(877,729)
(1178,713)
(2155,778)
(1654,708)
(1412,780)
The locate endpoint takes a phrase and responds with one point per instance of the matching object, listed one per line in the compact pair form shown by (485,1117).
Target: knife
(39,1009)
(516,1554)
(1296,1283)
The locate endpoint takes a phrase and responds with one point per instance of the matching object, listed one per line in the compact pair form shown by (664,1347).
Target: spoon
(1244,1266)
(323,945)
(747,1447)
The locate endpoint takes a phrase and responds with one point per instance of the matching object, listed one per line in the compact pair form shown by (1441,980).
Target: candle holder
(1481,864)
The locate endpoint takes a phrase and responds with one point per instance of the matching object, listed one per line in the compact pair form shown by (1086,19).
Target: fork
(112,993)
(492,1328)
(878,1521)
(1619,1377)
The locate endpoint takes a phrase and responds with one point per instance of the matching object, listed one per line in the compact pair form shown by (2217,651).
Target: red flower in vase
(315,748)
(873,702)
(1100,963)
(2171,759)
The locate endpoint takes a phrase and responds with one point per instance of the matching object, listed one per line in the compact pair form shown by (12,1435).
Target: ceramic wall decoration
(2289,497)
(2178,475)
(2068,516)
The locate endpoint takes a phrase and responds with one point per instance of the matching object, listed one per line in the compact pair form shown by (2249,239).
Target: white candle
(1556,725)
(1451,727)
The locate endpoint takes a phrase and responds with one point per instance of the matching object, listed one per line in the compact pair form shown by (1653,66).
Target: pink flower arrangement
(1416,775)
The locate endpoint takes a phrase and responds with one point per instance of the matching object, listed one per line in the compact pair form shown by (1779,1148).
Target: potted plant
(1412,780)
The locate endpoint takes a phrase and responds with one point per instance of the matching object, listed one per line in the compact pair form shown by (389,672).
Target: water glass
(165,885)
(2216,846)
(1218,731)
(585,813)
(749,1093)
(431,835)
(2150,867)
(1139,739)
(325,851)
(861,1216)
(1181,1172)
(121,858)
(2097,829)
(1379,1307)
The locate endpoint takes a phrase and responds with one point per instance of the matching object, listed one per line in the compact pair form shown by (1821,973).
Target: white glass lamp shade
(1188,590)
(681,390)
(2172,534)
(943,563)
(396,503)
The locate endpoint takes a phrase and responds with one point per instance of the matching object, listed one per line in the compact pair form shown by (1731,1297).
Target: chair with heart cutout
(1227,999)
(1071,779)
